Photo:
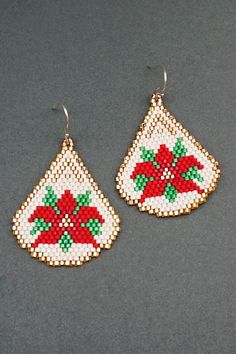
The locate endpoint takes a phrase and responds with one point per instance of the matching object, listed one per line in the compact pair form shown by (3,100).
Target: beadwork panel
(66,220)
(166,172)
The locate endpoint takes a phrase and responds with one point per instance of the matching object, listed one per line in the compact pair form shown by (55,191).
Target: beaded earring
(66,220)
(166,171)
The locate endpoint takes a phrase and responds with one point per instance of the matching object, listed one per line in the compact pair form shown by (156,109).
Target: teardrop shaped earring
(66,220)
(166,171)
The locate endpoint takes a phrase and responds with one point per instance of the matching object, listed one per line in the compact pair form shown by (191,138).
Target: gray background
(167,285)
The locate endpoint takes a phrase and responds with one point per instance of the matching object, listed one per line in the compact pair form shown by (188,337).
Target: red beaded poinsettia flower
(166,173)
(66,221)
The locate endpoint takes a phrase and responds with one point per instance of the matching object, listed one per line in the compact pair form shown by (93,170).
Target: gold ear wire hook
(160,90)
(60,106)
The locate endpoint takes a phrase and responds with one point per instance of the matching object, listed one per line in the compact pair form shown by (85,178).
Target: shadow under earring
(166,171)
(66,220)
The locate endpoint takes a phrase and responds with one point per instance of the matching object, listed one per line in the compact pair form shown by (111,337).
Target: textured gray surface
(167,285)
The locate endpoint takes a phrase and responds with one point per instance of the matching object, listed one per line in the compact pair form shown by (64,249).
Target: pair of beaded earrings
(67,220)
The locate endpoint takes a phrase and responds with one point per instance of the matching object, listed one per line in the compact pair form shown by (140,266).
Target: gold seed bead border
(66,145)
(156,100)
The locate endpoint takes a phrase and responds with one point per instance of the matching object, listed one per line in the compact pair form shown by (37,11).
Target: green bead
(179,150)
(94,226)
(170,192)
(50,198)
(40,225)
(147,155)
(82,200)
(65,242)
(192,173)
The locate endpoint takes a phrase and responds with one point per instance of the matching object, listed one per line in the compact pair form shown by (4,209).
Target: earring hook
(160,90)
(60,106)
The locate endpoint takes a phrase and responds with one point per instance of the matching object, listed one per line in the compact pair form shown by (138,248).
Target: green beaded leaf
(179,150)
(82,200)
(170,193)
(192,173)
(141,181)
(65,242)
(40,225)
(94,226)
(50,199)
(147,155)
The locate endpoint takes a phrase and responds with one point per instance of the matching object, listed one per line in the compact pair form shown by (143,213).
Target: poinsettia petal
(85,213)
(66,203)
(185,162)
(164,156)
(83,235)
(144,168)
(153,189)
(185,186)
(43,212)
(48,237)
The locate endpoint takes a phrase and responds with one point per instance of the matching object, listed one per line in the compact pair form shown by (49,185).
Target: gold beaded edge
(157,100)
(38,255)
